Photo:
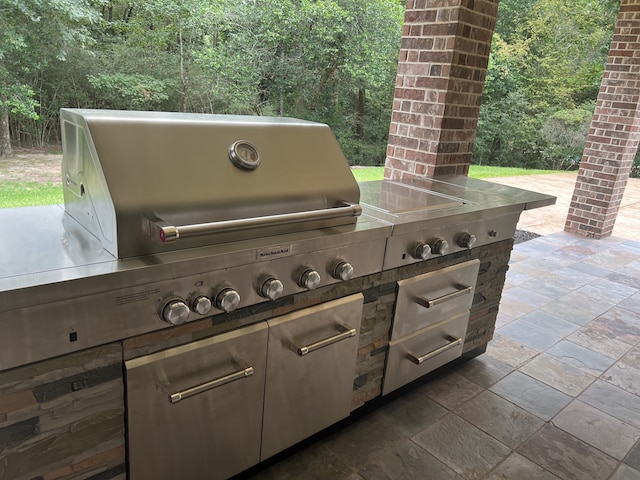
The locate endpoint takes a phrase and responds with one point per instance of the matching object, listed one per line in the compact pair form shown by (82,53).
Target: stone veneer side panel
(614,134)
(442,68)
(63,418)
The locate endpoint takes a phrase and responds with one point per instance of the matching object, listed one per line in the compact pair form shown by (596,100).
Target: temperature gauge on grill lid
(244,155)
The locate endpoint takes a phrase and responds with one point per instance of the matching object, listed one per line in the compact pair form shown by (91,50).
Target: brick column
(441,72)
(615,131)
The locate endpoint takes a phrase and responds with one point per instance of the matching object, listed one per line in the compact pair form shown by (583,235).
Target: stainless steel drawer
(433,297)
(195,411)
(310,371)
(423,351)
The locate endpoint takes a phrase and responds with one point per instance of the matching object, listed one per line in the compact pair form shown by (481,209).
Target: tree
(547,56)
(32,32)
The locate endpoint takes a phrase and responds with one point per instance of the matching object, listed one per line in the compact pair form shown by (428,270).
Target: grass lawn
(25,194)
(29,194)
(475,171)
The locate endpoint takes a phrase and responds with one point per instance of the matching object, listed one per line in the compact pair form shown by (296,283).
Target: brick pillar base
(615,131)
(441,72)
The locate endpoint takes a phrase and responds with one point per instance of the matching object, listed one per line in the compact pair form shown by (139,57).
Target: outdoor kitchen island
(195,362)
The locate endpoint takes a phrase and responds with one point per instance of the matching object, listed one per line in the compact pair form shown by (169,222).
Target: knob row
(439,246)
(176,310)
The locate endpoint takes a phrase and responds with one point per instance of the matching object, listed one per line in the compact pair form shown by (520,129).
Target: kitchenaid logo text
(274,252)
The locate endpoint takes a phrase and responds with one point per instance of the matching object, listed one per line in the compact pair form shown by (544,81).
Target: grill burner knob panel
(342,271)
(227,300)
(310,279)
(271,288)
(466,240)
(201,305)
(439,246)
(175,312)
(421,251)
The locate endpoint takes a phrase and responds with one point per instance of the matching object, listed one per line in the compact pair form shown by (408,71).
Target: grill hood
(150,182)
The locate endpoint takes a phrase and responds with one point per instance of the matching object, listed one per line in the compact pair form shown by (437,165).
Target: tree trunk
(5,137)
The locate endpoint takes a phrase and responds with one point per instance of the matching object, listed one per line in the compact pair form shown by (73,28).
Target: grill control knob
(175,312)
(439,246)
(227,300)
(466,240)
(271,288)
(201,305)
(342,271)
(421,251)
(309,279)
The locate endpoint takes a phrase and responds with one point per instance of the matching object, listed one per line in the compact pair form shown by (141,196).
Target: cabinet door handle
(460,290)
(203,387)
(346,333)
(453,341)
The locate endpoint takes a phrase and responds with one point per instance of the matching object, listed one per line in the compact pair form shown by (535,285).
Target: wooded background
(332,61)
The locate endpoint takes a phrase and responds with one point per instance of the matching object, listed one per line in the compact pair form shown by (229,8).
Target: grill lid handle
(163,232)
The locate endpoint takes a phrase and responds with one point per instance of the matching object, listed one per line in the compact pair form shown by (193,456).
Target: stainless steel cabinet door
(417,354)
(310,371)
(195,411)
(433,297)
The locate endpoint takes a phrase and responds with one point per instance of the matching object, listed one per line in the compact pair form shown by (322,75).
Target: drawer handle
(347,333)
(453,342)
(460,290)
(218,382)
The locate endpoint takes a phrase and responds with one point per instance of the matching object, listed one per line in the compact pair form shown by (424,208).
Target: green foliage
(545,69)
(133,92)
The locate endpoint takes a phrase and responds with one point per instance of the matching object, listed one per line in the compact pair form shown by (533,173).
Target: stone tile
(501,419)
(355,443)
(525,296)
(580,357)
(576,308)
(593,299)
(528,335)
(315,462)
(606,291)
(598,429)
(613,259)
(632,303)
(574,279)
(550,323)
(593,339)
(513,307)
(407,461)
(625,472)
(484,370)
(411,413)
(532,395)
(518,467)
(620,324)
(507,351)
(566,456)
(592,270)
(463,447)
(633,457)
(625,377)
(614,401)
(550,285)
(557,374)
(503,319)
(632,359)
(450,390)
(627,277)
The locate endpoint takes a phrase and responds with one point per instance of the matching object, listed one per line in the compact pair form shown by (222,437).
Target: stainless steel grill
(175,218)
(148,182)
